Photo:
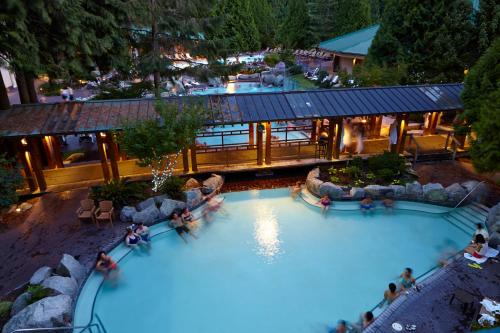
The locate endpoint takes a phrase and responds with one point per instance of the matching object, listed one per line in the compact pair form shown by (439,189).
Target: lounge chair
(105,212)
(86,210)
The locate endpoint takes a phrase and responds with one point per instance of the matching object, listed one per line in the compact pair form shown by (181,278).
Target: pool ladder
(93,327)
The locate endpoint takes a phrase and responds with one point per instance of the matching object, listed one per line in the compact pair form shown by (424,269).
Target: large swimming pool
(271,264)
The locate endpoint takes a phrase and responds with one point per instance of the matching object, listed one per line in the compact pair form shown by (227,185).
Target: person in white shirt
(480,230)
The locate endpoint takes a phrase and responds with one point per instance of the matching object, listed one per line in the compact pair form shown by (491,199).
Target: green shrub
(174,188)
(5,307)
(51,89)
(122,192)
(384,175)
(295,69)
(387,160)
(136,90)
(271,59)
(37,292)
(10,180)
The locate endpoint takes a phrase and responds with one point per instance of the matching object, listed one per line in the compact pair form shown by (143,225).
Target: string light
(162,174)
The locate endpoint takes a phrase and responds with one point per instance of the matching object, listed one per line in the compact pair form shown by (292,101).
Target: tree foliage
(435,40)
(295,31)
(10,180)
(488,20)
(157,143)
(481,96)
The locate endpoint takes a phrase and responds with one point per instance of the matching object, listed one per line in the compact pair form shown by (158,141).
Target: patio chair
(105,212)
(86,210)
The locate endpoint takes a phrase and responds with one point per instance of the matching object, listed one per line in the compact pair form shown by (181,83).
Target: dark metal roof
(92,116)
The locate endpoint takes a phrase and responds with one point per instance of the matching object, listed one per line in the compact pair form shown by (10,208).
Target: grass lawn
(303,83)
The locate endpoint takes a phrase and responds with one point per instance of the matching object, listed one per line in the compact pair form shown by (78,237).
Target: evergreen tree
(295,30)
(350,15)
(481,96)
(265,21)
(435,40)
(322,18)
(377,9)
(488,22)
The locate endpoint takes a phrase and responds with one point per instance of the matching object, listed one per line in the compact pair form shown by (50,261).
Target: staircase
(465,218)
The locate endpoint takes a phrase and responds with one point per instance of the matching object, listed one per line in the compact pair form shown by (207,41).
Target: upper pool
(271,264)
(247,87)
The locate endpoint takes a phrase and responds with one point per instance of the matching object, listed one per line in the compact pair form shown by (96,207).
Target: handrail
(466,196)
(417,147)
(63,328)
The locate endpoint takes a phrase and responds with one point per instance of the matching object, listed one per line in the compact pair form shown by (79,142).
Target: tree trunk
(156,55)
(30,84)
(4,97)
(22,88)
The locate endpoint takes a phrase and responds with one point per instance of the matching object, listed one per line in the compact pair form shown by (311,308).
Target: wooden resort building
(73,143)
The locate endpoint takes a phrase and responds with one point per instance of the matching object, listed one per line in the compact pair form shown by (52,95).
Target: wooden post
(113,155)
(260,148)
(56,150)
(314,131)
(185,159)
(36,163)
(372,125)
(378,126)
(433,122)
(402,123)
(47,149)
(102,155)
(338,138)
(23,156)
(194,163)
(331,137)
(268,143)
(251,134)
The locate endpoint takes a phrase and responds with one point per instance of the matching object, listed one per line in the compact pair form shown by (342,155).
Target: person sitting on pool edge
(188,219)
(365,320)
(479,248)
(407,280)
(142,231)
(480,230)
(388,203)
(296,190)
(179,226)
(325,203)
(105,264)
(366,204)
(132,239)
(390,294)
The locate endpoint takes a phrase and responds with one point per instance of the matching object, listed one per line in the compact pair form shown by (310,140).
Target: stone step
(473,219)
(455,223)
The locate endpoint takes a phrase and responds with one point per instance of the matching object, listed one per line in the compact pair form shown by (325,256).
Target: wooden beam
(338,138)
(331,138)
(433,122)
(260,148)
(378,126)
(402,123)
(113,155)
(268,143)
(185,159)
(194,163)
(56,150)
(47,149)
(36,163)
(314,131)
(23,156)
(251,134)
(102,154)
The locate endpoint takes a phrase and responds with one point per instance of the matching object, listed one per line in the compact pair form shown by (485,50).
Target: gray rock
(494,241)
(214,182)
(357,193)
(41,274)
(480,193)
(159,199)
(492,215)
(379,191)
(414,191)
(168,206)
(332,190)
(61,285)
(147,216)
(20,303)
(53,311)
(399,191)
(192,183)
(314,173)
(127,213)
(455,193)
(434,192)
(145,204)
(70,267)
(278,81)
(313,185)
(194,198)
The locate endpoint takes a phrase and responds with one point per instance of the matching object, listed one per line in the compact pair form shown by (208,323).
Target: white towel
(486,319)
(477,260)
(490,306)
(491,253)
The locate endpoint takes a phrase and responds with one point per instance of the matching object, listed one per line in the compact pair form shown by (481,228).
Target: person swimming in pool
(296,190)
(388,203)
(390,294)
(180,227)
(407,279)
(325,203)
(143,232)
(105,264)
(366,204)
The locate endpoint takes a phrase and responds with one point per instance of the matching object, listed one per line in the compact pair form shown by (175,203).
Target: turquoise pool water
(247,88)
(243,139)
(271,264)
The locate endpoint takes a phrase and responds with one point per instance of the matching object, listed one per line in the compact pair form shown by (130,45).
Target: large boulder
(480,190)
(70,267)
(414,191)
(127,213)
(168,206)
(455,193)
(494,241)
(278,81)
(214,182)
(146,203)
(333,191)
(399,191)
(147,216)
(379,191)
(313,185)
(493,215)
(357,193)
(61,285)
(41,274)
(53,311)
(434,192)
(194,198)
(20,303)
(159,199)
